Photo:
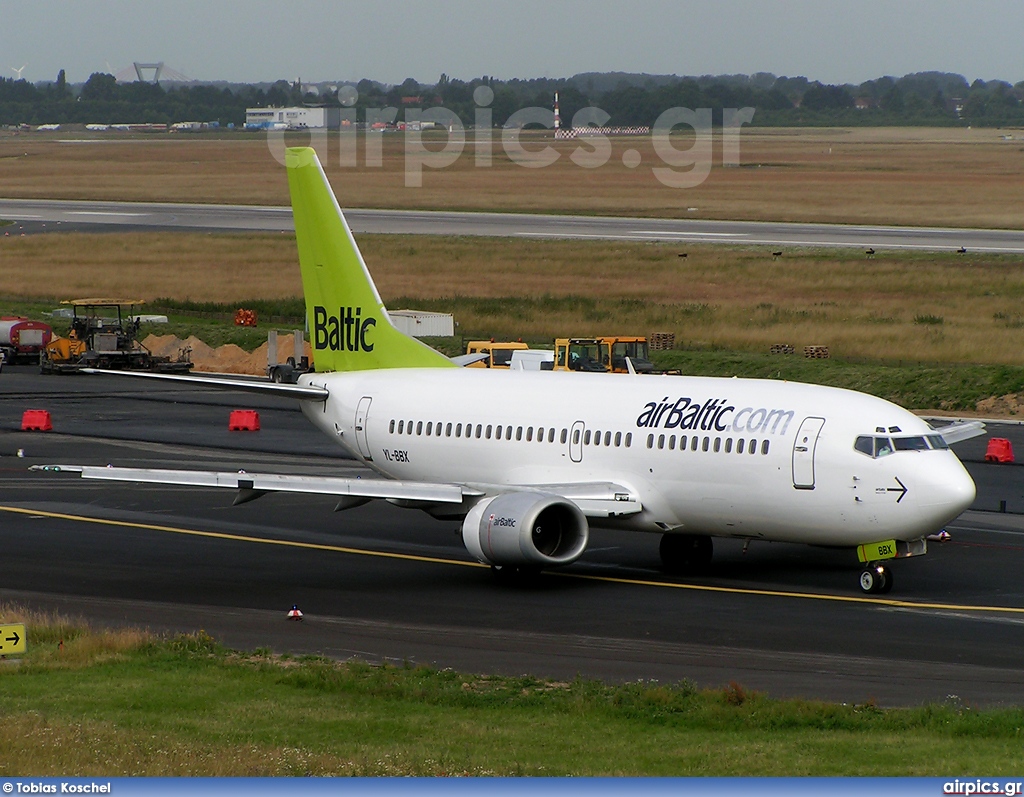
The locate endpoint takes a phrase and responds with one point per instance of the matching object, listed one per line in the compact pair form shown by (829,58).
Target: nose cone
(950,491)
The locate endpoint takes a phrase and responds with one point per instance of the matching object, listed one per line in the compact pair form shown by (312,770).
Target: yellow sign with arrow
(12,639)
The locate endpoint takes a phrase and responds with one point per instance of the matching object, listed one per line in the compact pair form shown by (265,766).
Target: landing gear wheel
(876,579)
(685,553)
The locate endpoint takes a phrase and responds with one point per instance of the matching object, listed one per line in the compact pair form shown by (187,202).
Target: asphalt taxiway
(388,584)
(43,215)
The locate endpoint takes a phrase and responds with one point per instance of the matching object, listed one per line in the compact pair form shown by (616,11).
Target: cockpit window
(876,446)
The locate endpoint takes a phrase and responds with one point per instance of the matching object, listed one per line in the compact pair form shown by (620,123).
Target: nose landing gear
(876,579)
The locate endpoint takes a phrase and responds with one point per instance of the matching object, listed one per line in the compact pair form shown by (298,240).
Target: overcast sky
(390,40)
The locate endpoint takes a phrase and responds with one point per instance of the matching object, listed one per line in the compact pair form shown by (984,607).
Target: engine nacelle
(526,528)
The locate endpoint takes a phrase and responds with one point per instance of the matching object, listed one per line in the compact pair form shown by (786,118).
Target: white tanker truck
(21,339)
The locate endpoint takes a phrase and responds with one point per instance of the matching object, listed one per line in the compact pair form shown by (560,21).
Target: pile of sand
(1008,406)
(227,359)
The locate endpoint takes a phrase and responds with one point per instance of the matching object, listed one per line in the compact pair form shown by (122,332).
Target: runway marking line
(219,535)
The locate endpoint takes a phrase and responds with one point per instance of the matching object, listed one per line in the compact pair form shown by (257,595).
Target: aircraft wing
(960,431)
(595,499)
(250,385)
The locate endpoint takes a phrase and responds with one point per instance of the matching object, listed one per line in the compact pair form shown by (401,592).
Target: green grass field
(128,703)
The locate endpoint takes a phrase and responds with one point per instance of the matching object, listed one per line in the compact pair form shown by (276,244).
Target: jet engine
(526,529)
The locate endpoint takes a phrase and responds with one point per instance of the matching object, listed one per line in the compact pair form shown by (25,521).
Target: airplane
(529,461)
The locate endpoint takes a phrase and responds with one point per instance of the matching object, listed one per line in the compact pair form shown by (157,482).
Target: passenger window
(575,437)
(650,441)
(401,426)
(739,446)
(508,432)
(607,438)
(419,427)
(597,438)
(764,448)
(706,445)
(586,438)
(672,442)
(618,439)
(728,445)
(430,428)
(661,441)
(391,427)
(551,435)
(865,445)
(718,444)
(693,443)
(479,431)
(458,430)
(497,433)
(629,439)
(753,447)
(489,430)
(519,433)
(540,435)
(448,430)
(529,434)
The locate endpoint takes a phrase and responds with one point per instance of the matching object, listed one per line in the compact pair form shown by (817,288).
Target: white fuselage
(746,458)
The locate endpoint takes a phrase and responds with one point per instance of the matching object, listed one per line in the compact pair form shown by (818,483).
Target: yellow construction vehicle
(605,354)
(104,334)
(499,354)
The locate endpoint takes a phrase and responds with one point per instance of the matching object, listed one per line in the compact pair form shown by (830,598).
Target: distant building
(423,323)
(299,118)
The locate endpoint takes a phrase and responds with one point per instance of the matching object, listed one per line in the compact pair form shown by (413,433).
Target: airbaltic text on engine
(346,331)
(714,414)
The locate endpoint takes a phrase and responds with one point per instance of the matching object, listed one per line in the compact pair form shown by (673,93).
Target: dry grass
(926,307)
(915,176)
(55,641)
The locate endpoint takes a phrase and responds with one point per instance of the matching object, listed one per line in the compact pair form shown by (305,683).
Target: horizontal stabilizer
(469,359)
(250,385)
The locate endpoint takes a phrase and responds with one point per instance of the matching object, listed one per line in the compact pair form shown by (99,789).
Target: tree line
(924,98)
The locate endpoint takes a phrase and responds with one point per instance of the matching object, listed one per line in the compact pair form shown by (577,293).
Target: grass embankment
(127,702)
(918,176)
(881,317)
(914,307)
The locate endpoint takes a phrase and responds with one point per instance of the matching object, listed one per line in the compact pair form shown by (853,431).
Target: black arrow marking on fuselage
(902,489)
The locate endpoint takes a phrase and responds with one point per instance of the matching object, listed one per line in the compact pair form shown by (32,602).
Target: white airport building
(298,118)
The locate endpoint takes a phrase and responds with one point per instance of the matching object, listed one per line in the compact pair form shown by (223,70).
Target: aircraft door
(576,441)
(362,410)
(803,453)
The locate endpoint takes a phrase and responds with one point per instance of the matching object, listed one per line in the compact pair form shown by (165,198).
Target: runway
(386,584)
(34,216)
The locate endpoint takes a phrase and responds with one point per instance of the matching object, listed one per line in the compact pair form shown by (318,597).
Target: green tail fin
(349,327)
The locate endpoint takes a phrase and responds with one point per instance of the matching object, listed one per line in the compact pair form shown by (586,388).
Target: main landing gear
(876,579)
(685,553)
